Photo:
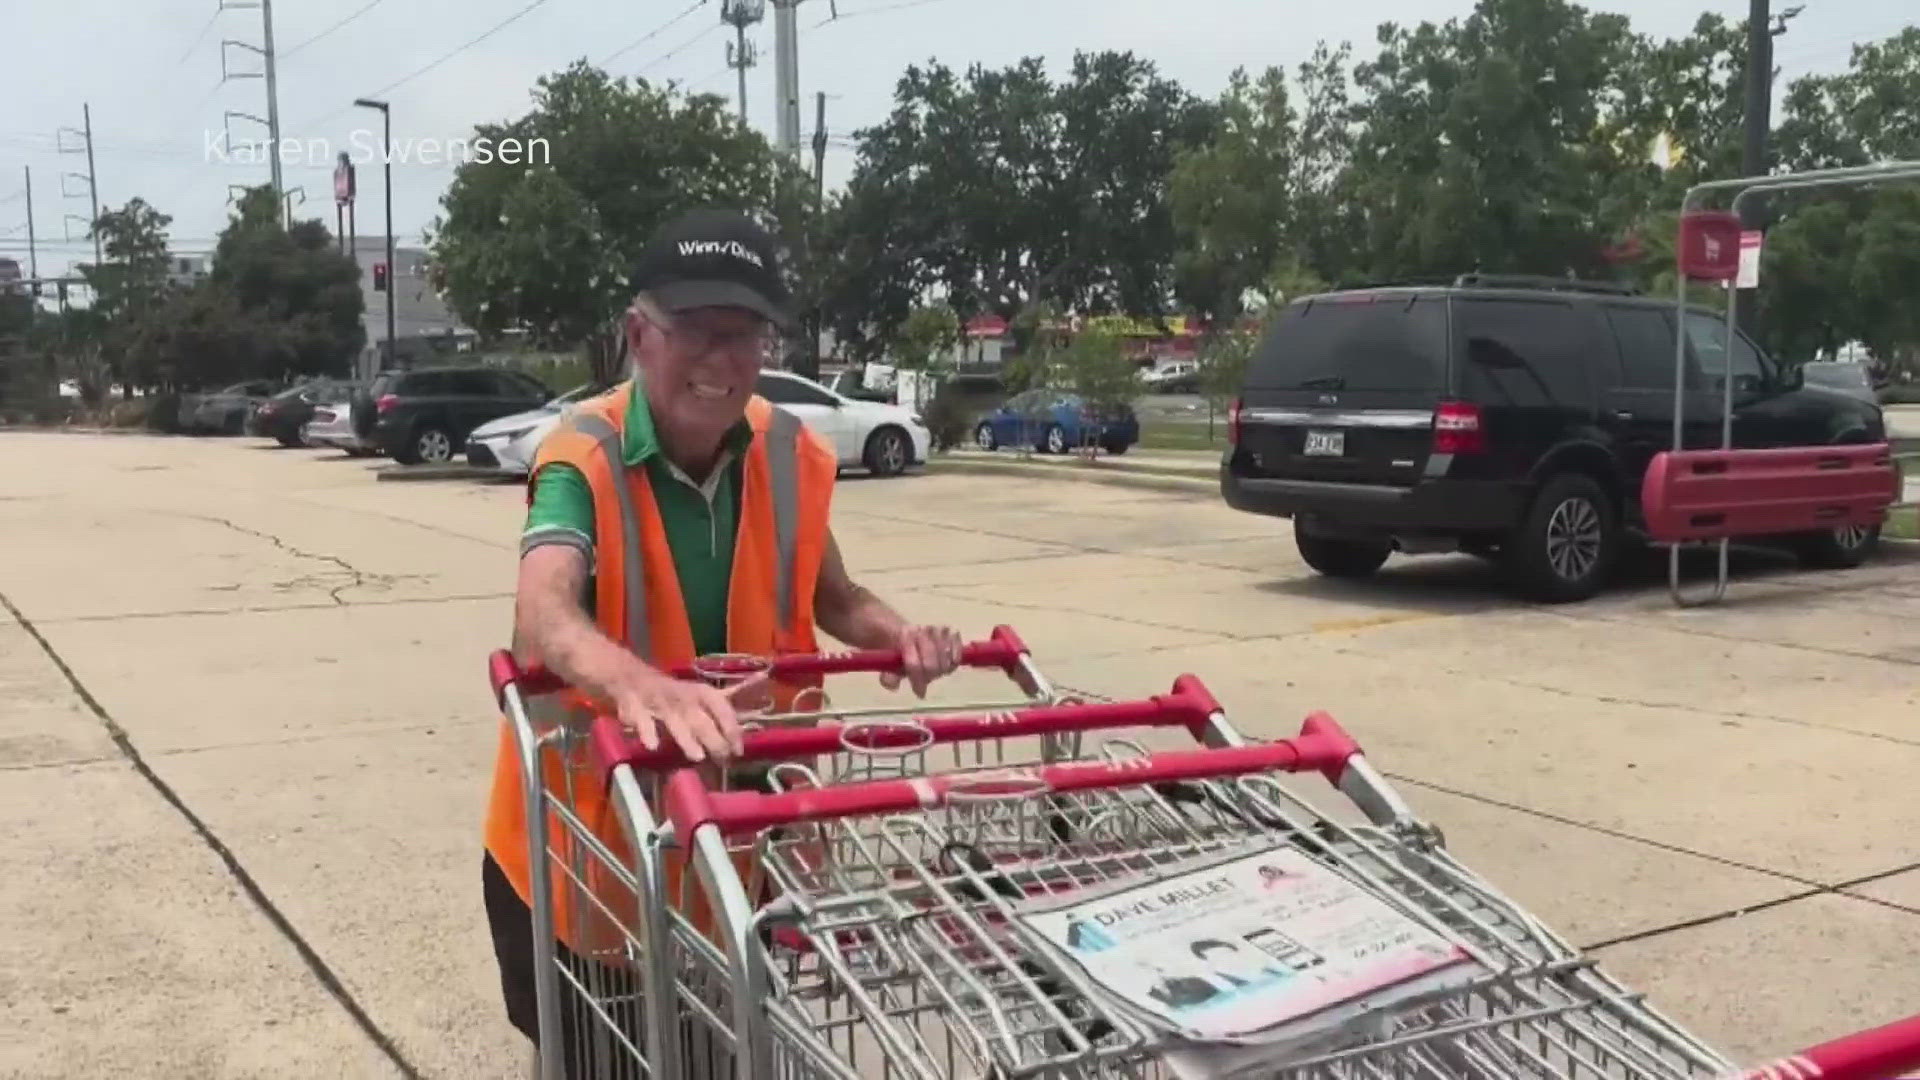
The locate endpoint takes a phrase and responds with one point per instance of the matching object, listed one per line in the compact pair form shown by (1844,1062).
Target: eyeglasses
(693,339)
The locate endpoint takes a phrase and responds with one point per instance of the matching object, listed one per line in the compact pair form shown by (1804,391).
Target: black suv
(426,413)
(1512,418)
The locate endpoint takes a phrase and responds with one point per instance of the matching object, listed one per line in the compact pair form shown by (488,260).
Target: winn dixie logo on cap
(733,248)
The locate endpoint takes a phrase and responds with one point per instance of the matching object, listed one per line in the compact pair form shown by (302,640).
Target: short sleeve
(561,511)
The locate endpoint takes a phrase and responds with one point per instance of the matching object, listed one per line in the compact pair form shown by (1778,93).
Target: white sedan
(883,439)
(510,442)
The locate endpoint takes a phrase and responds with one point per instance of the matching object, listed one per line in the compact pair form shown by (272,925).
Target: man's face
(699,365)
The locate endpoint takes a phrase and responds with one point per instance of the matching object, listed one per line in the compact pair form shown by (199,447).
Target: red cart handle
(1190,704)
(1321,745)
(1880,1054)
(1003,650)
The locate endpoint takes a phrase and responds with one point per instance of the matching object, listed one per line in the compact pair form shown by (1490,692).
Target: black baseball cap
(714,258)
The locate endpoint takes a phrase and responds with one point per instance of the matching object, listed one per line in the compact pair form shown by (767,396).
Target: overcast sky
(151,72)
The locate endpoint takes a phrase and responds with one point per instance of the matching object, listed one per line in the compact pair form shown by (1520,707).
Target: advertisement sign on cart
(1268,949)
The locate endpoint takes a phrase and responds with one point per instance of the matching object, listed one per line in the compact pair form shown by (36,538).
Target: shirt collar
(641,441)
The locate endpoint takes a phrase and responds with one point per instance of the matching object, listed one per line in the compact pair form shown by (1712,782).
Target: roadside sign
(1751,241)
(343,180)
(1709,245)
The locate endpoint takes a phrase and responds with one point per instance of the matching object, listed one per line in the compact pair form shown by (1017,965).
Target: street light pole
(386,161)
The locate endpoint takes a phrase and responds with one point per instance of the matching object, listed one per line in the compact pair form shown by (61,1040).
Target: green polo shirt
(699,518)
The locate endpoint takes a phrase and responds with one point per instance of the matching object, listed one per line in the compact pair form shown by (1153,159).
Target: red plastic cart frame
(1697,262)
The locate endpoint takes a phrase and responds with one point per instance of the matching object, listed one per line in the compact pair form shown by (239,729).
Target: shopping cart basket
(592,917)
(896,945)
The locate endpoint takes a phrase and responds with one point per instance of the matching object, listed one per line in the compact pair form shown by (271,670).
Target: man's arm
(853,615)
(551,626)
(848,610)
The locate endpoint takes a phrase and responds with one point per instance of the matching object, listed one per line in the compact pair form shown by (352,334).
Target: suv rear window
(1379,343)
(1522,352)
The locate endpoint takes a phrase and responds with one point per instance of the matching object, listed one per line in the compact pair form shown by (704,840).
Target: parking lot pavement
(295,652)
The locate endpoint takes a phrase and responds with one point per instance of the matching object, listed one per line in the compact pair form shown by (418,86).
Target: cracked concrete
(1719,800)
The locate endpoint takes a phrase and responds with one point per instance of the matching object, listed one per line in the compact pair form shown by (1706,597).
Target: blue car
(1054,422)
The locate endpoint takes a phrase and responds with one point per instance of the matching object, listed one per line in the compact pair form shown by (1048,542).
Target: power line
(651,34)
(676,51)
(201,36)
(368,6)
(403,80)
(899,6)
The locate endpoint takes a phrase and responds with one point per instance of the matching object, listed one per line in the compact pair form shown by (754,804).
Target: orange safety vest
(787,485)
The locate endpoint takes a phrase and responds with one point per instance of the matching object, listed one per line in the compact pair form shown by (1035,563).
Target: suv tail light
(386,402)
(1233,423)
(1456,429)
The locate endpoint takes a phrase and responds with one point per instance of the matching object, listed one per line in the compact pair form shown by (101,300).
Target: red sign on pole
(343,181)
(1710,245)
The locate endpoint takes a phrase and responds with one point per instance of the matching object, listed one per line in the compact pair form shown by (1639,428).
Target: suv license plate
(1326,443)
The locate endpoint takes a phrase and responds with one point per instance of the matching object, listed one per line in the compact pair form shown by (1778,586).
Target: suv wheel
(1336,557)
(427,444)
(1839,549)
(1567,545)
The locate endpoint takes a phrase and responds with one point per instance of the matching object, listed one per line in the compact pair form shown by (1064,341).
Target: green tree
(288,290)
(547,245)
(1006,190)
(130,288)
(1886,279)
(1095,365)
(1480,147)
(1261,195)
(927,337)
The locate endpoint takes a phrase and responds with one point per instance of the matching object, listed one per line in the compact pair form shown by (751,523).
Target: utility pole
(820,146)
(386,155)
(273,103)
(268,72)
(93,184)
(786,76)
(33,250)
(741,53)
(1762,27)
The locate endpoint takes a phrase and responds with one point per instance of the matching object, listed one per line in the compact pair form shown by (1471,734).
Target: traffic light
(379,277)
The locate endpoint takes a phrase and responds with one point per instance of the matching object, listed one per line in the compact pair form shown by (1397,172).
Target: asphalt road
(245,743)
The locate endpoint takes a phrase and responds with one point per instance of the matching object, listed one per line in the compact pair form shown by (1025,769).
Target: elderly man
(678,516)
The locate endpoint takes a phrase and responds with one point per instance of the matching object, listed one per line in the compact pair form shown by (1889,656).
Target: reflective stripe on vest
(783,479)
(600,430)
(783,469)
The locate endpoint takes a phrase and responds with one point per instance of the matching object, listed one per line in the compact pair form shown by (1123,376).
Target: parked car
(509,443)
(1054,421)
(1510,418)
(1175,377)
(282,416)
(426,414)
(1848,379)
(224,412)
(883,439)
(332,426)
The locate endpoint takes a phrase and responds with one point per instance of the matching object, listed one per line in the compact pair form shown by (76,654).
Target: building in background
(423,325)
(185,270)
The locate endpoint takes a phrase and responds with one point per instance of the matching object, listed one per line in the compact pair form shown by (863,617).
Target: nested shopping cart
(599,902)
(865,907)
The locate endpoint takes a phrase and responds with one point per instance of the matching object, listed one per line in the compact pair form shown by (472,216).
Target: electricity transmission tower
(741,54)
(92,194)
(265,51)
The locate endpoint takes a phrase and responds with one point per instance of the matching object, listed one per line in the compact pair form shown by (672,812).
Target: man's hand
(927,653)
(700,719)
